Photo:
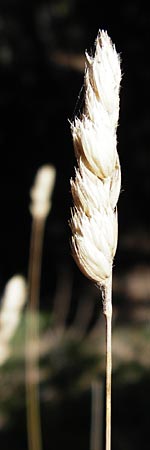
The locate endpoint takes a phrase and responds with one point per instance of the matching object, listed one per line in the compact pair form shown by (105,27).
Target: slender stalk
(32,337)
(108,382)
(34,275)
(108,318)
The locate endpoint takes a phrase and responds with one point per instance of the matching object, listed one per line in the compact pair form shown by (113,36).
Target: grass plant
(40,206)
(96,186)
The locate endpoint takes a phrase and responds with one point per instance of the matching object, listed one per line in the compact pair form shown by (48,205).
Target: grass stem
(108,318)
(32,337)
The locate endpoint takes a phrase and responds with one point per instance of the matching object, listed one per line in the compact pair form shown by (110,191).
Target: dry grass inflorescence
(96,186)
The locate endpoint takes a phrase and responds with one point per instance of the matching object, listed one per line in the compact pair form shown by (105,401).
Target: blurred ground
(42,48)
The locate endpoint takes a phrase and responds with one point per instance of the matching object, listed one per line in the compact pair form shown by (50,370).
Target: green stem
(32,338)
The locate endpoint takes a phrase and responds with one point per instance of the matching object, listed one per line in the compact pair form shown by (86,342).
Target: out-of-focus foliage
(69,362)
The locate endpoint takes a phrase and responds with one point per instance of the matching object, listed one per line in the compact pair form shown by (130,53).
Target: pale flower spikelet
(12,303)
(41,191)
(96,187)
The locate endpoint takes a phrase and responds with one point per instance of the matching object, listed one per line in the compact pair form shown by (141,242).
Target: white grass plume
(12,303)
(41,192)
(96,186)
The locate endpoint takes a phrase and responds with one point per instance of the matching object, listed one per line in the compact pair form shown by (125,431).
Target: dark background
(42,45)
(38,94)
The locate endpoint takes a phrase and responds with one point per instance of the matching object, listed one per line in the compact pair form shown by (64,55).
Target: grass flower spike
(97,181)
(96,186)
(42,191)
(12,303)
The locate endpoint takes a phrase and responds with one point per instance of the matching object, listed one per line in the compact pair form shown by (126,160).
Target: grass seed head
(41,192)
(96,186)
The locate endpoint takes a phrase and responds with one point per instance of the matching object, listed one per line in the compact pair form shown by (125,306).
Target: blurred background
(42,47)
